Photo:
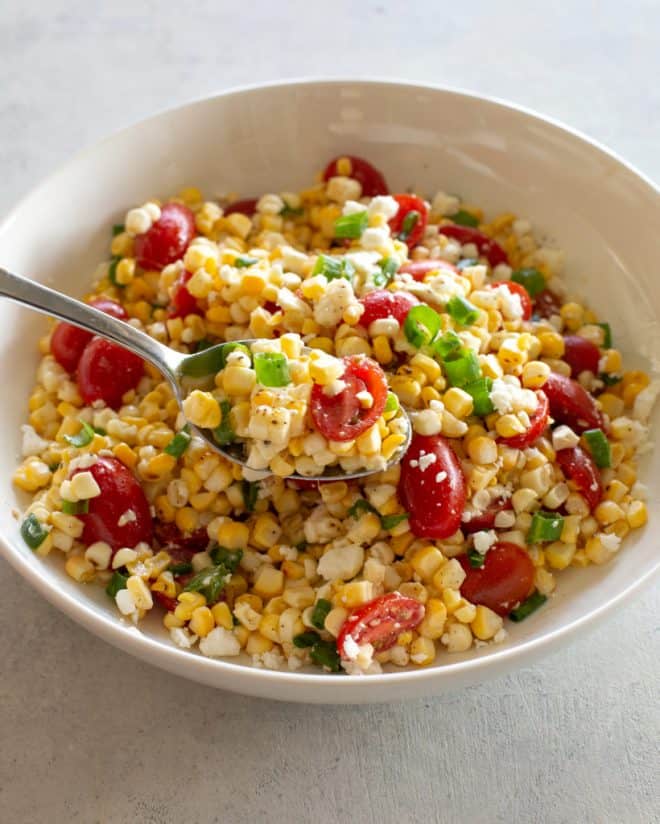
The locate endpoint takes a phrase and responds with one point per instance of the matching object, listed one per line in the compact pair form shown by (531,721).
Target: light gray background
(89,734)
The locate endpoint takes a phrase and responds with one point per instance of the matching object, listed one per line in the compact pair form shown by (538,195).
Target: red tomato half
(419,269)
(181,547)
(106,371)
(434,506)
(166,601)
(516,289)
(245,207)
(120,493)
(486,519)
(408,204)
(168,238)
(505,579)
(342,417)
(183,303)
(380,622)
(581,355)
(578,466)
(384,304)
(372,181)
(537,425)
(547,304)
(488,248)
(570,403)
(68,342)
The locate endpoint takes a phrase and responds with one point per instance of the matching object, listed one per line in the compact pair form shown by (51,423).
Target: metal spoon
(174,365)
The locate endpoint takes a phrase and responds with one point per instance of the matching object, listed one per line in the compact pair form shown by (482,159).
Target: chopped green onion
(421,325)
(99,430)
(179,443)
(75,507)
(229,558)
(462,367)
(545,526)
(324,653)
(475,559)
(445,345)
(224,434)
(54,466)
(607,337)
(244,261)
(306,639)
(480,391)
(117,582)
(250,490)
(409,222)
(202,344)
(333,267)
(466,263)
(180,569)
(301,546)
(599,447)
(320,612)
(360,506)
(531,279)
(272,369)
(527,607)
(464,218)
(390,521)
(388,268)
(210,582)
(83,437)
(291,211)
(392,403)
(33,531)
(112,272)
(351,226)
(117,229)
(609,380)
(461,310)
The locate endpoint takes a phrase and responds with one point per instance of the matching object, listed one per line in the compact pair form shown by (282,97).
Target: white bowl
(272,138)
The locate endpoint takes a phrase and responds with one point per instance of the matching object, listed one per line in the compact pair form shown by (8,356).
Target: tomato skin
(505,579)
(419,269)
(434,508)
(488,248)
(183,303)
(579,467)
(486,519)
(166,601)
(537,425)
(372,181)
(106,371)
(547,304)
(380,622)
(382,303)
(341,417)
(516,289)
(570,403)
(581,355)
(410,203)
(244,207)
(120,491)
(68,342)
(168,238)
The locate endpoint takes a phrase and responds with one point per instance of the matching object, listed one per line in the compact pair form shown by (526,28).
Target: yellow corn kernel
(452,600)
(268,581)
(400,543)
(635,376)
(266,531)
(535,374)
(238,224)
(125,454)
(430,367)
(353,594)
(616,491)
(233,535)
(32,475)
(482,451)
(257,644)
(631,391)
(608,512)
(391,444)
(509,425)
(334,620)
(458,402)
(188,603)
(191,480)
(299,596)
(186,519)
(269,627)
(486,623)
(422,651)
(191,196)
(79,568)
(427,561)
(611,404)
(222,616)
(202,409)
(407,390)
(202,621)
(125,271)
(382,349)
(573,315)
(637,514)
(552,344)
(435,616)
(159,466)
(596,552)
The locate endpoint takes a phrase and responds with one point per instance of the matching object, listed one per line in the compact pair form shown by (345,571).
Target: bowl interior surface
(275,138)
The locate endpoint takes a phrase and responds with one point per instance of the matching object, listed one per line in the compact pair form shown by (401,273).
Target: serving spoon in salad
(177,367)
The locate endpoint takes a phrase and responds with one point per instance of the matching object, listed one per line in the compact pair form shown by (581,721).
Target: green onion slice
(392,403)
(182,568)
(224,434)
(250,490)
(475,559)
(480,391)
(83,437)
(291,211)
(272,369)
(210,582)
(545,526)
(33,531)
(334,267)
(244,261)
(461,310)
(306,639)
(409,222)
(360,506)
(229,558)
(117,229)
(324,653)
(179,443)
(320,612)
(421,325)
(599,447)
(388,267)
(112,272)
(462,367)
(531,279)
(464,218)
(390,521)
(75,507)
(351,226)
(527,607)
(117,582)
(607,337)
(609,380)
(445,345)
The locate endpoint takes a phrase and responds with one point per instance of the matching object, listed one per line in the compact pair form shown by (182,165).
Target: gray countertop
(90,734)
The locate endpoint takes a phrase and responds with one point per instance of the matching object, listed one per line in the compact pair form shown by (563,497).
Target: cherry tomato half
(505,579)
(166,601)
(516,289)
(120,493)
(244,207)
(106,371)
(488,248)
(581,355)
(372,181)
(419,269)
(380,622)
(570,403)
(486,519)
(433,494)
(342,417)
(168,238)
(537,425)
(183,303)
(578,466)
(547,304)
(68,342)
(409,204)
(384,304)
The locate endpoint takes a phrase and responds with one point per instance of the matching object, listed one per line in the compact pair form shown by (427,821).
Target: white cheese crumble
(610,541)
(440,477)
(426,460)
(484,540)
(127,517)
(563,437)
(32,443)
(220,642)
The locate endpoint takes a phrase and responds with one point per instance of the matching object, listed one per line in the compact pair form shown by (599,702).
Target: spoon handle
(46,300)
